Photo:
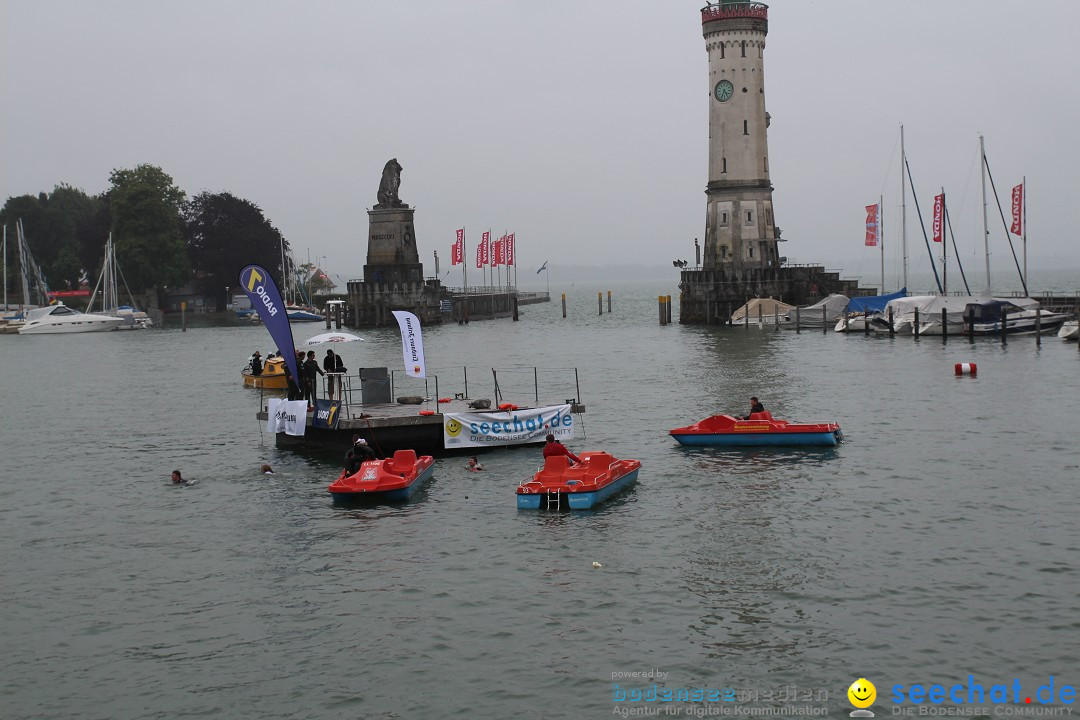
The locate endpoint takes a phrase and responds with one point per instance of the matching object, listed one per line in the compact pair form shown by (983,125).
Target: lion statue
(388,187)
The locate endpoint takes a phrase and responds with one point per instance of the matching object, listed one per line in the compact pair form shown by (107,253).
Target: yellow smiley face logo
(862,693)
(453,428)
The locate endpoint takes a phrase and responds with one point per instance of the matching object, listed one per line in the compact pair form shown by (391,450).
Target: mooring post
(759,315)
(824,321)
(892,328)
(1038,326)
(1004,323)
(600,303)
(564,304)
(798,321)
(536,387)
(669,309)
(660,305)
(866,322)
(515,308)
(944,326)
(326,312)
(916,322)
(776,316)
(845,322)
(465,371)
(183,315)
(609,301)
(746,318)
(338,311)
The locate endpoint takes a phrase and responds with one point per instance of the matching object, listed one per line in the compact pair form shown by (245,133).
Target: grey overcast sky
(582,126)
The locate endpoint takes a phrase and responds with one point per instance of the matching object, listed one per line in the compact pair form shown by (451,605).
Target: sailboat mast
(986,234)
(5,268)
(284,276)
(903,203)
(23,262)
(881,237)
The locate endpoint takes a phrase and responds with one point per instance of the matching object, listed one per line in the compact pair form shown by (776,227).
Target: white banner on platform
(287,416)
(412,344)
(506,427)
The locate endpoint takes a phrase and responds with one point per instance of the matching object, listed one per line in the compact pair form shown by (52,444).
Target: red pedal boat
(760,429)
(395,478)
(579,487)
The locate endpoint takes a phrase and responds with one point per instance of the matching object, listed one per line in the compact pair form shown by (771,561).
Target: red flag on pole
(872,226)
(482,250)
(510,249)
(457,250)
(500,245)
(1017,210)
(939,213)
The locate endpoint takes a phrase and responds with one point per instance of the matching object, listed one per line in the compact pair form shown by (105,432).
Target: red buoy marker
(966,369)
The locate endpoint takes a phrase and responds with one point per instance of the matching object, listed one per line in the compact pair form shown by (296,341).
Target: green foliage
(148,229)
(55,226)
(225,233)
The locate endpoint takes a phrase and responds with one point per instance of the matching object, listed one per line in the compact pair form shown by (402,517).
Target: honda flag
(457,250)
(939,215)
(499,251)
(510,249)
(872,226)
(482,250)
(1017,210)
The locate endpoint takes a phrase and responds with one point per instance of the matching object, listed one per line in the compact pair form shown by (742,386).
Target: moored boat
(271,378)
(299,313)
(1070,330)
(395,478)
(581,486)
(59,318)
(760,429)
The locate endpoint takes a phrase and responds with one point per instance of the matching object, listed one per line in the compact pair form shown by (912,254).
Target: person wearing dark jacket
(359,453)
(332,364)
(310,370)
(290,381)
(256,364)
(755,407)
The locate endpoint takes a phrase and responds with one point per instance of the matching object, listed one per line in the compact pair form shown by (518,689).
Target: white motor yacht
(62,319)
(1070,330)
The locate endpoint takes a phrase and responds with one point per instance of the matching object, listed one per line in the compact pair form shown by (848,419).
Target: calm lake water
(940,541)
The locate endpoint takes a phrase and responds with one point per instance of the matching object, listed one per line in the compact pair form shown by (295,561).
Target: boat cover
(873,303)
(770,308)
(810,316)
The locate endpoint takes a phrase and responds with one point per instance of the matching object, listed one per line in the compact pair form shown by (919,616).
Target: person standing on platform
(256,364)
(310,372)
(293,384)
(335,368)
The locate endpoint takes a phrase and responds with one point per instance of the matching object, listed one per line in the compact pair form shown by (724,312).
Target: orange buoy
(444,400)
(966,369)
(427,412)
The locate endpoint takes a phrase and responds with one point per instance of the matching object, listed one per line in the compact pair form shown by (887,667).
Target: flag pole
(944,250)
(881,238)
(1023,214)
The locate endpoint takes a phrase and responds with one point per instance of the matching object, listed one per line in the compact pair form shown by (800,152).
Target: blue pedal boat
(582,486)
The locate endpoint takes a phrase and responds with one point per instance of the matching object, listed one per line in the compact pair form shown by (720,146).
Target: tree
(226,233)
(148,228)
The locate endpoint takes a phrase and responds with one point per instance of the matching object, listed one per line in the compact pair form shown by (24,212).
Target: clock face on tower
(723,91)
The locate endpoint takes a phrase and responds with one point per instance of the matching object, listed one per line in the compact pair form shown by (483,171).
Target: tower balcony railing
(725,10)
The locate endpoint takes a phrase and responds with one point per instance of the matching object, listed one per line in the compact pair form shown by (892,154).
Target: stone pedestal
(393,274)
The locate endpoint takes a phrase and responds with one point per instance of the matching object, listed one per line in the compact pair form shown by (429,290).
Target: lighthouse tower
(740,232)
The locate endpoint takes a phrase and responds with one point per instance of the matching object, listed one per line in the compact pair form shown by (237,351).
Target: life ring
(508,406)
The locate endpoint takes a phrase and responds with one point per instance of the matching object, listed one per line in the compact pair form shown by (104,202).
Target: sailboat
(987,315)
(31,279)
(133,319)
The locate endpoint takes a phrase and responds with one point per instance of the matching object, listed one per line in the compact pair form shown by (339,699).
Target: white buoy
(596,564)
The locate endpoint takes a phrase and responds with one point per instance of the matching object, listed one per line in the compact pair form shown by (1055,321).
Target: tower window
(765,163)
(745,127)
(723,218)
(721,51)
(723,165)
(749,218)
(744,48)
(723,252)
(751,249)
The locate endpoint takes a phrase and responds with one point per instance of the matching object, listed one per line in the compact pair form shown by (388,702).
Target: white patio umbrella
(331,337)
